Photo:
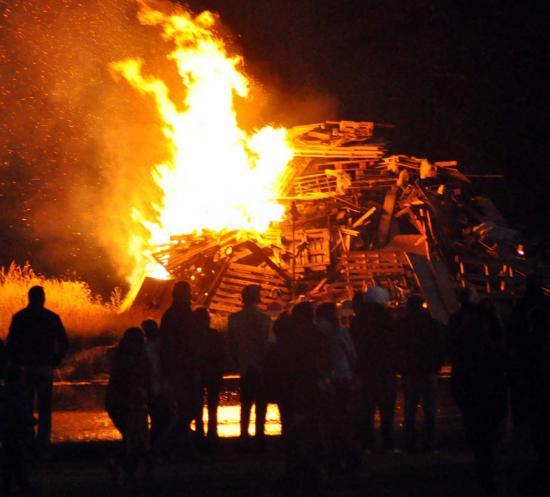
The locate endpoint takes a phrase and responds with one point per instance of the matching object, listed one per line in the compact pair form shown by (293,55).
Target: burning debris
(318,211)
(355,217)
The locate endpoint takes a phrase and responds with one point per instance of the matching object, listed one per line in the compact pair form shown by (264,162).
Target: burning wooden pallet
(356,217)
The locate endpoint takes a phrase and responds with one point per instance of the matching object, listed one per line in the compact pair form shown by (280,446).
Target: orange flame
(218,177)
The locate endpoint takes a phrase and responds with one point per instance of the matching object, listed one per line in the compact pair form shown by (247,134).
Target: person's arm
(219,346)
(13,340)
(232,339)
(269,334)
(350,349)
(62,342)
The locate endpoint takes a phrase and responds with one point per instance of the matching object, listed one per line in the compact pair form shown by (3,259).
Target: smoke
(77,146)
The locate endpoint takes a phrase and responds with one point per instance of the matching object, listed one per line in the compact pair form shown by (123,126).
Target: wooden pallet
(367,268)
(315,183)
(487,276)
(226,297)
(315,254)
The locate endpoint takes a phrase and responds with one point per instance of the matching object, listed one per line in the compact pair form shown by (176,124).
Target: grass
(88,318)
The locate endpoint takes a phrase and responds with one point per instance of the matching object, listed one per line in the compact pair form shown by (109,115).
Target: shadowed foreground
(80,470)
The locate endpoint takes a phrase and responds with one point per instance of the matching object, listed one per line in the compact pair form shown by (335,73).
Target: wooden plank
(386,217)
(425,276)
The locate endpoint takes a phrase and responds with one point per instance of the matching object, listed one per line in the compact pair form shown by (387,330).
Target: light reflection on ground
(94,425)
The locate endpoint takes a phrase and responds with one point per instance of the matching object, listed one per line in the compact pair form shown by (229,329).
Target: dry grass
(86,316)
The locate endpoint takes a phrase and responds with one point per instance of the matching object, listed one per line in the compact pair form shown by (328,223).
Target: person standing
(420,352)
(305,357)
(126,401)
(213,353)
(179,349)
(16,430)
(478,383)
(342,364)
(37,342)
(529,349)
(151,330)
(249,338)
(373,330)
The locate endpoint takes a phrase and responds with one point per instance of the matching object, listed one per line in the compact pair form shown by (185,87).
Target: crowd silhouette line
(327,380)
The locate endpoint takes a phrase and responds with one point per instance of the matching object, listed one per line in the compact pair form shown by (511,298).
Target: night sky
(459,82)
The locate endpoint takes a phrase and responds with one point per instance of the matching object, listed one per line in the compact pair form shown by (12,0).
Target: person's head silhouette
(37,297)
(202,318)
(251,295)
(181,293)
(303,313)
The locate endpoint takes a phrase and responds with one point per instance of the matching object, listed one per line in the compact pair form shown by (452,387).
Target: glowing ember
(218,177)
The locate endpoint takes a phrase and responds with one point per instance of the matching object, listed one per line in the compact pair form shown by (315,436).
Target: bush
(89,319)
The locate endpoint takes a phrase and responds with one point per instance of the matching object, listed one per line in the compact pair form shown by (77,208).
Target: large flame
(218,177)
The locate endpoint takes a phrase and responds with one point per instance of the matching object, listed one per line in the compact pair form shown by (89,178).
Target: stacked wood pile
(358,216)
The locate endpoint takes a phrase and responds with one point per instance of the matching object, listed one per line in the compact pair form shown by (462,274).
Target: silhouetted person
(421,352)
(3,358)
(374,334)
(529,347)
(151,330)
(279,371)
(180,356)
(249,338)
(306,355)
(212,356)
(16,430)
(478,383)
(525,342)
(37,342)
(126,399)
(342,365)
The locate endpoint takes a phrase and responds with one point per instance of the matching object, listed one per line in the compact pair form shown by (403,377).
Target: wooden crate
(227,296)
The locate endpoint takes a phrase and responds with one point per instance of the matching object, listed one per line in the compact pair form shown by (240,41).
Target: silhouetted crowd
(327,380)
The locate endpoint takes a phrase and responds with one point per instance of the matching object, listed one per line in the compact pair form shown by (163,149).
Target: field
(88,318)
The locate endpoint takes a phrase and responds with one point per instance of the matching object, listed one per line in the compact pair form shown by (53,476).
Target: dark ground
(79,469)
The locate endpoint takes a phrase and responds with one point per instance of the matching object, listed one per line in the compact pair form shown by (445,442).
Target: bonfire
(319,211)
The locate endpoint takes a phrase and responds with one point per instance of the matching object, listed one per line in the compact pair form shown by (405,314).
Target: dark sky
(459,82)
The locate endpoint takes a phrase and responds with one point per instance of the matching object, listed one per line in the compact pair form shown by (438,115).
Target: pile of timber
(358,216)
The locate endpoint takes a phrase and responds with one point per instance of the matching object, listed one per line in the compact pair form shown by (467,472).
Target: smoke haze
(77,145)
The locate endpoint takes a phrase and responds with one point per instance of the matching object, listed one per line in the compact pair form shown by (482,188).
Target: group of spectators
(327,380)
